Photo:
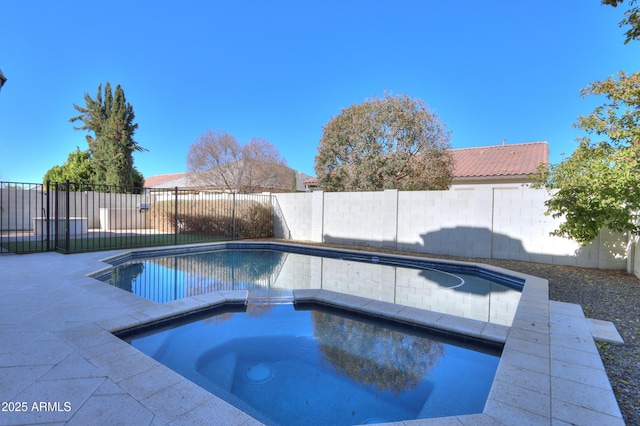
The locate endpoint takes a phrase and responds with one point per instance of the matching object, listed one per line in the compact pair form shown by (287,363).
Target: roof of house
(163,181)
(501,160)
(181,180)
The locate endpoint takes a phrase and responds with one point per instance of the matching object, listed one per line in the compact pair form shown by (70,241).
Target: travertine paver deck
(59,362)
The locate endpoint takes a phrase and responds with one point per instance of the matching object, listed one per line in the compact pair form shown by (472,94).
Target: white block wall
(296,210)
(500,223)
(635,267)
(353,218)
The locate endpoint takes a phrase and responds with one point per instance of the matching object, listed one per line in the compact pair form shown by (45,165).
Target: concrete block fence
(499,223)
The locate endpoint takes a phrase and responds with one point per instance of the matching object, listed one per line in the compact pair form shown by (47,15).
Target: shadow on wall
(472,242)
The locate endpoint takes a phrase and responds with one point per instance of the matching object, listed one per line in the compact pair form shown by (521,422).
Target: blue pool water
(448,288)
(309,365)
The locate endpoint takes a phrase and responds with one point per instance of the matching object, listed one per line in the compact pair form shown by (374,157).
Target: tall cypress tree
(111,120)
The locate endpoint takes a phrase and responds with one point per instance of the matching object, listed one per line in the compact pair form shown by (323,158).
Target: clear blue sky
(492,70)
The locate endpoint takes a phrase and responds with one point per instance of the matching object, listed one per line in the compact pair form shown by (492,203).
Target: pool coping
(550,371)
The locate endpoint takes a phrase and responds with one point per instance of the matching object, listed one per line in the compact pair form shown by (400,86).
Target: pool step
(269,297)
(604,331)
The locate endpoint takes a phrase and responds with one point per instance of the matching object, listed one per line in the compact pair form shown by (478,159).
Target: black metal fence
(72,217)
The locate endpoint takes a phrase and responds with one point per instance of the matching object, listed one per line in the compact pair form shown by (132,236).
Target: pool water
(444,288)
(291,365)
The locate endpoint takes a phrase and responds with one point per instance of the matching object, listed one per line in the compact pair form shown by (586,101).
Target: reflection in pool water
(440,288)
(319,366)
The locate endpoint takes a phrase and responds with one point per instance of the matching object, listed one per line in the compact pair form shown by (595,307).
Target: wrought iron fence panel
(72,217)
(23,217)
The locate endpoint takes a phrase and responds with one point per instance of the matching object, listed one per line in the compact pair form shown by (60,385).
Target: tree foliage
(109,121)
(631,18)
(598,186)
(393,142)
(78,168)
(217,159)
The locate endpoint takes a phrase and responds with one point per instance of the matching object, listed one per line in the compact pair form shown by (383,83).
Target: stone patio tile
(589,397)
(345,300)
(524,378)
(460,325)
(556,422)
(14,316)
(45,349)
(14,380)
(148,382)
(581,343)
(576,356)
(122,368)
(73,391)
(119,409)
(529,335)
(530,294)
(211,298)
(176,400)
(73,366)
(540,307)
(13,339)
(527,346)
(215,411)
(478,420)
(577,415)
(89,339)
(109,388)
(536,316)
(596,377)
(379,307)
(119,323)
(110,353)
(527,361)
(536,402)
(231,296)
(564,308)
(441,421)
(419,316)
(509,415)
(495,332)
(569,326)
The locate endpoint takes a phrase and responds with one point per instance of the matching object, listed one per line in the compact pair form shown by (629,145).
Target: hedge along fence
(220,215)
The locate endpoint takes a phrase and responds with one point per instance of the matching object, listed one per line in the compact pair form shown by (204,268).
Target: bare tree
(218,160)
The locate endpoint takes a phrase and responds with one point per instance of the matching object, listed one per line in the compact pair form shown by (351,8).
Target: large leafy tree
(109,121)
(598,186)
(393,142)
(217,159)
(78,169)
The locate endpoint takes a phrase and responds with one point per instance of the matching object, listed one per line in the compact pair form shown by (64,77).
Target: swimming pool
(310,364)
(274,270)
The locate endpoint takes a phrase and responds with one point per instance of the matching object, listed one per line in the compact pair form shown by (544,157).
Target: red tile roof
(160,179)
(518,160)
